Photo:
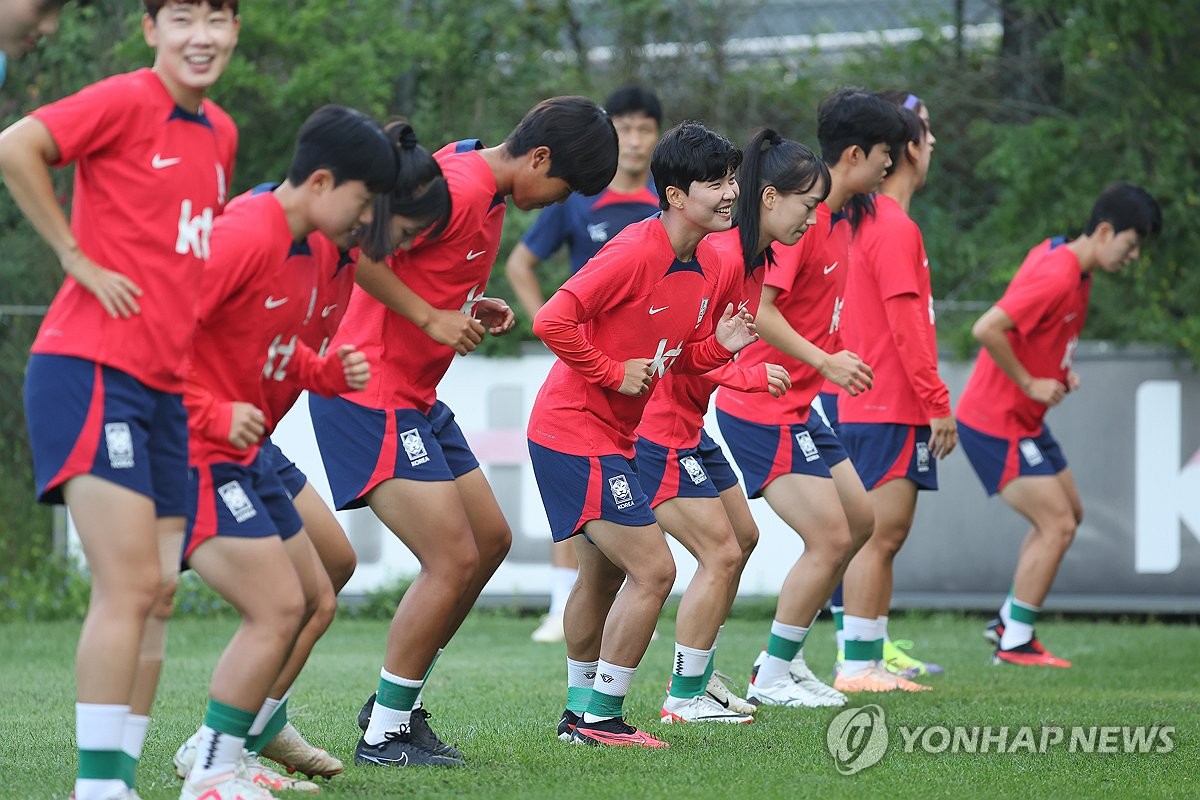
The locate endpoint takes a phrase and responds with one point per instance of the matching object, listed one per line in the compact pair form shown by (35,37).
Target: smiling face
(26,21)
(193,44)
(708,205)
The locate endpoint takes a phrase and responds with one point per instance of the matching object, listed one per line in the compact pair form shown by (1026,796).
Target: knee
(725,559)
(458,563)
(340,568)
(747,540)
(657,577)
(164,601)
(837,547)
(494,546)
(325,609)
(862,527)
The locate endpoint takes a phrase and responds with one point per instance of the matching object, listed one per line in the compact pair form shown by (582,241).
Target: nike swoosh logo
(158,162)
(654,310)
(401,761)
(327,310)
(1070,317)
(273,302)
(831,268)
(472,255)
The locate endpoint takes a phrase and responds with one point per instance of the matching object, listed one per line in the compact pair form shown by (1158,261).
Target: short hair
(634,100)
(912,129)
(581,138)
(1124,206)
(852,116)
(349,144)
(420,193)
(772,160)
(691,152)
(155,6)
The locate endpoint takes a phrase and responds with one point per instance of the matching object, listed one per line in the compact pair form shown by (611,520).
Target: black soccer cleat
(994,630)
(364,714)
(425,736)
(399,750)
(566,725)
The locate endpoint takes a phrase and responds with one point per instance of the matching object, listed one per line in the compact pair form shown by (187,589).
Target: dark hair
(634,100)
(771,160)
(1125,205)
(420,193)
(349,144)
(853,116)
(581,138)
(913,129)
(691,152)
(155,6)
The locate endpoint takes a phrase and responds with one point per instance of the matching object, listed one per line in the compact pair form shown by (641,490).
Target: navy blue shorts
(764,452)
(884,451)
(246,501)
(363,447)
(578,489)
(826,405)
(88,419)
(293,478)
(666,472)
(997,461)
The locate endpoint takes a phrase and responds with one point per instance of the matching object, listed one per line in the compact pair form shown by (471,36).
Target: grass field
(498,696)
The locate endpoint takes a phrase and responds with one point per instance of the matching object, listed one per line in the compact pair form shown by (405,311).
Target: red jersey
(1047,300)
(149,180)
(634,299)
(811,278)
(888,321)
(449,272)
(674,416)
(260,294)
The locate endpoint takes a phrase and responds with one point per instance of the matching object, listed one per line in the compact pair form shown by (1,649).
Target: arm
(760,378)
(332,374)
(241,424)
(557,324)
(26,151)
(520,271)
(907,317)
(991,331)
(451,328)
(844,368)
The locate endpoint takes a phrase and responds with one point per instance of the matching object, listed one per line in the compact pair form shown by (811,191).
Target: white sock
(612,680)
(881,627)
(386,720)
(1017,633)
(134,735)
(99,727)
(857,629)
(562,581)
(581,674)
(216,754)
(264,715)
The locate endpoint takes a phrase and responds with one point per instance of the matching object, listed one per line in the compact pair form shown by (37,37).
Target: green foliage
(378,604)
(53,589)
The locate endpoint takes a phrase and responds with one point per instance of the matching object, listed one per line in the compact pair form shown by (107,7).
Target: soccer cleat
(871,679)
(719,691)
(424,736)
(804,676)
(994,630)
(902,683)
(614,732)
(566,725)
(399,750)
(699,709)
(124,793)
(290,750)
(786,692)
(230,786)
(1030,654)
(250,770)
(550,630)
(364,714)
(838,661)
(901,663)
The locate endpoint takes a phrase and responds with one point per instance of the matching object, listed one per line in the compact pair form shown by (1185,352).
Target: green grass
(498,696)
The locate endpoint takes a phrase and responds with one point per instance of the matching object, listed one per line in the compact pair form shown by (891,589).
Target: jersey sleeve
(548,231)
(789,261)
(324,375)
(907,319)
(897,258)
(557,324)
(94,119)
(1031,296)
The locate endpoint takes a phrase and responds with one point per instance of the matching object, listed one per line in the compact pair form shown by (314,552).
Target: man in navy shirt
(585,223)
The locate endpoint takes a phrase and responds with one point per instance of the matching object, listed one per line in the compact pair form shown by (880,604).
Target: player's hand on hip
(848,371)
(1073,381)
(247,425)
(455,329)
(1047,391)
(736,329)
(637,377)
(116,292)
(495,314)
(355,367)
(943,436)
(778,380)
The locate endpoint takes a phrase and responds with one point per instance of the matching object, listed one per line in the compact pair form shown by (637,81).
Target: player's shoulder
(219,118)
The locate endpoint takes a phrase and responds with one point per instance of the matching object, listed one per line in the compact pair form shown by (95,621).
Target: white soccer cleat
(290,749)
(229,786)
(551,629)
(719,691)
(700,709)
(250,770)
(787,692)
(804,676)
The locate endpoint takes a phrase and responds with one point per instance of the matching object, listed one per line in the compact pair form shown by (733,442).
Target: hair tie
(911,102)
(408,138)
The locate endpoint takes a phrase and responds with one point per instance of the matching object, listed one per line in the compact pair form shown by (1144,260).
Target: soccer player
(691,487)
(419,202)
(103,390)
(1024,369)
(636,310)
(896,433)
(244,536)
(584,223)
(395,447)
(787,453)
(23,23)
